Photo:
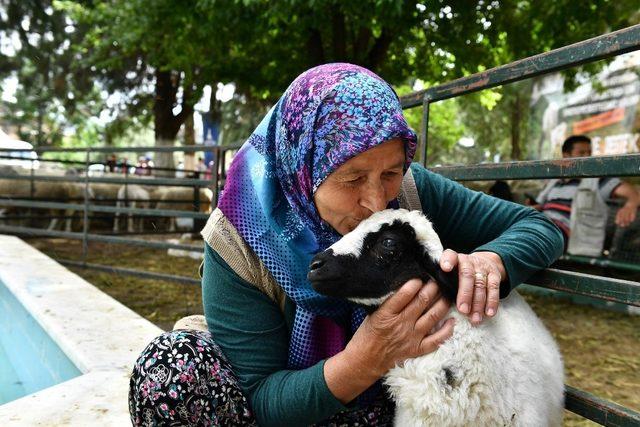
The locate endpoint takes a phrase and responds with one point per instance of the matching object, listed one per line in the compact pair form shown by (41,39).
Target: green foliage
(445,129)
(155,57)
(51,95)
(525,28)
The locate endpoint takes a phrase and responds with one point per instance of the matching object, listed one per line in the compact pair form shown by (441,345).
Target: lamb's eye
(389,244)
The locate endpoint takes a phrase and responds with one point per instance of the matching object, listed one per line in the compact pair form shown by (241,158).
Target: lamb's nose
(316,264)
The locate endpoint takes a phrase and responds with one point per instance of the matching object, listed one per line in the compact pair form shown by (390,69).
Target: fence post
(85,222)
(223,165)
(32,191)
(424,129)
(126,184)
(215,176)
(197,222)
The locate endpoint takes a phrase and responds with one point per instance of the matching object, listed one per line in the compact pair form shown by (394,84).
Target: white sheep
(53,191)
(182,199)
(64,192)
(507,371)
(137,197)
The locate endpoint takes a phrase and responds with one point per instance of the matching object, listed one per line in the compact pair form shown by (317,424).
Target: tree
(51,96)
(154,58)
(526,28)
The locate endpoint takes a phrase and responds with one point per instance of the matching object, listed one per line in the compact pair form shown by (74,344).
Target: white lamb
(137,197)
(506,372)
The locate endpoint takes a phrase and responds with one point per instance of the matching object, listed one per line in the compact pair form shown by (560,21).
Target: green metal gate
(621,291)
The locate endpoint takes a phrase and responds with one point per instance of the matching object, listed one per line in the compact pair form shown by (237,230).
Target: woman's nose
(374,197)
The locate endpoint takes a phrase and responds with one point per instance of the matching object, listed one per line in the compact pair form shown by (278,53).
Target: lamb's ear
(448,282)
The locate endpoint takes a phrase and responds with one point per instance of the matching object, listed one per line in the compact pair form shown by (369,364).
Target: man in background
(575,202)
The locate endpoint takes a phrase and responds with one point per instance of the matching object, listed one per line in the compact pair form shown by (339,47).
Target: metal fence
(621,291)
(87,205)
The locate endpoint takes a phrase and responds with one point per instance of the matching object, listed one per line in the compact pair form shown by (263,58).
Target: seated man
(557,199)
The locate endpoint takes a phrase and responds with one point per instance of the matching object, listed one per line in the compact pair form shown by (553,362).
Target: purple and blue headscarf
(328,115)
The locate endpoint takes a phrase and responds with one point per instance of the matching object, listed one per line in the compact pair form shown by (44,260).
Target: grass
(601,349)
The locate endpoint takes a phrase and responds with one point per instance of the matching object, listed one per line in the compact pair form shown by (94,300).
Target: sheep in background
(182,199)
(137,197)
(505,372)
(105,193)
(63,192)
(53,191)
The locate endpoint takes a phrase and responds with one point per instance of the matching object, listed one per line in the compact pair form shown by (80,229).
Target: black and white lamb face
(382,253)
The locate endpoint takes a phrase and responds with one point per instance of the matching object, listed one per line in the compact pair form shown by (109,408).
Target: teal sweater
(253,332)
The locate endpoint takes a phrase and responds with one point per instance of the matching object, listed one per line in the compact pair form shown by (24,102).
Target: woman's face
(362,186)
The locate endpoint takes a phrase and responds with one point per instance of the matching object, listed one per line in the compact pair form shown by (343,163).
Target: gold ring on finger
(481,277)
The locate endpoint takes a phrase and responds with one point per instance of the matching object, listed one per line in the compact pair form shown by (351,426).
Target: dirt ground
(160,302)
(601,349)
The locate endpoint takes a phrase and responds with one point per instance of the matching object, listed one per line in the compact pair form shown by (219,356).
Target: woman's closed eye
(353,181)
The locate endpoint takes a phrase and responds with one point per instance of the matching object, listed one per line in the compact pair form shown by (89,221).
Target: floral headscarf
(328,115)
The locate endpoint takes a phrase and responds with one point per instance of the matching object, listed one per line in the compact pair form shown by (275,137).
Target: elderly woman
(332,151)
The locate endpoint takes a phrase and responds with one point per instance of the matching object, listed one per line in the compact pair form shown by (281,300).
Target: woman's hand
(401,328)
(480,275)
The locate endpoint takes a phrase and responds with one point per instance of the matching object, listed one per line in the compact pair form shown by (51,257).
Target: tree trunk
(339,36)
(189,139)
(361,44)
(379,50)
(314,47)
(166,123)
(189,131)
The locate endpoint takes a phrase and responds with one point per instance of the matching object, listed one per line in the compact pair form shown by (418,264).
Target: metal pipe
(616,290)
(601,262)
(107,209)
(29,231)
(578,167)
(130,272)
(591,50)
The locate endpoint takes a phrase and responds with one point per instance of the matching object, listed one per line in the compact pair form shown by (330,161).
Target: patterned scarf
(328,115)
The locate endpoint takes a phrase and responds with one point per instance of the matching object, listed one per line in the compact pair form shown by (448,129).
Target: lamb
(507,371)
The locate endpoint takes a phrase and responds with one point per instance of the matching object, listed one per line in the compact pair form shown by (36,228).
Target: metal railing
(86,205)
(621,291)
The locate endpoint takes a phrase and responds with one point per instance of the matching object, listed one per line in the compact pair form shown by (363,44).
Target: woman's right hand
(398,330)
(401,328)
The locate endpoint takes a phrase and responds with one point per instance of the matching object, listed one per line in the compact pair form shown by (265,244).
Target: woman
(333,150)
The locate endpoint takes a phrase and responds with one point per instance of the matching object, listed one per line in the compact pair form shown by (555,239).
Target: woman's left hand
(479,277)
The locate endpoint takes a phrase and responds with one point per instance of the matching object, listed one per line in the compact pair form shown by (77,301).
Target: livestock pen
(620,291)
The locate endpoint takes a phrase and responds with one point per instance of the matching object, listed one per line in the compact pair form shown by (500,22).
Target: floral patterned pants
(183,379)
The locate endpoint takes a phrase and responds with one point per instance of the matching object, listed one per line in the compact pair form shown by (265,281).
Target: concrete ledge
(101,337)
